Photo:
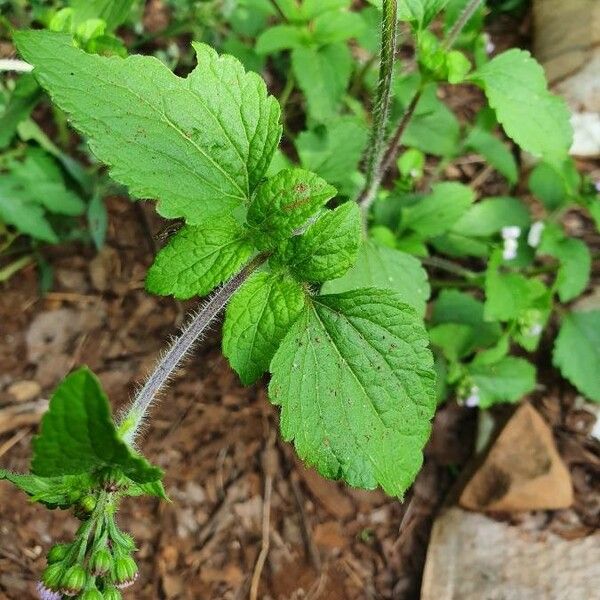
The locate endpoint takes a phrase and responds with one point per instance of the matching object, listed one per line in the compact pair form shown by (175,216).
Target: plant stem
(462,20)
(450,267)
(7,272)
(375,152)
(196,326)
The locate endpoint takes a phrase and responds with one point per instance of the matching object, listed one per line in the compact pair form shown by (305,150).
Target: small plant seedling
(323,287)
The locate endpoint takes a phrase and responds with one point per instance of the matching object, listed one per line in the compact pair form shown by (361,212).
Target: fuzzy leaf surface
(284,203)
(516,88)
(199,258)
(354,378)
(385,268)
(577,352)
(258,317)
(199,145)
(78,434)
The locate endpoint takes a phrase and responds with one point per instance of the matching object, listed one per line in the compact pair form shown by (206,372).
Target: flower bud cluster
(91,570)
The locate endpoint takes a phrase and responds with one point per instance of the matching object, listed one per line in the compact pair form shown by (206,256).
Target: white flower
(597,186)
(45,593)
(489,44)
(510,235)
(535,330)
(535,234)
(473,399)
(512,232)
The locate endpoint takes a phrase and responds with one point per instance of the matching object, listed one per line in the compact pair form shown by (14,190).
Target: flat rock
(522,471)
(472,557)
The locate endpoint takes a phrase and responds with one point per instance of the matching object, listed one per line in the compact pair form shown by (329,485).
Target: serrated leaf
(575,261)
(577,352)
(385,268)
(488,216)
(60,491)
(436,213)
(199,258)
(505,381)
(494,151)
(329,247)
(333,150)
(323,74)
(355,382)
(199,145)
(516,88)
(258,317)
(78,436)
(284,203)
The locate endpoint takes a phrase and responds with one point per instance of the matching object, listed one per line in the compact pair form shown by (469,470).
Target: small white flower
(535,330)
(512,232)
(489,44)
(473,399)
(510,249)
(45,593)
(597,186)
(535,234)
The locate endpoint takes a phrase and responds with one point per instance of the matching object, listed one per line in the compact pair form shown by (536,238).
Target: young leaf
(505,381)
(494,151)
(52,491)
(329,247)
(577,352)
(200,145)
(516,88)
(575,262)
(323,75)
(356,385)
(199,258)
(280,37)
(488,216)
(258,317)
(285,202)
(334,27)
(334,150)
(19,106)
(78,435)
(439,211)
(385,268)
(113,13)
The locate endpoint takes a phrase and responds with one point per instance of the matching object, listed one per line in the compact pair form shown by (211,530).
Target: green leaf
(455,340)
(575,261)
(488,216)
(258,317)
(112,12)
(153,488)
(434,128)
(323,75)
(334,27)
(60,491)
(355,382)
(436,213)
(418,12)
(285,202)
(78,436)
(280,37)
(457,307)
(199,258)
(505,381)
(19,106)
(494,151)
(329,247)
(517,90)
(385,268)
(577,352)
(333,150)
(508,295)
(200,145)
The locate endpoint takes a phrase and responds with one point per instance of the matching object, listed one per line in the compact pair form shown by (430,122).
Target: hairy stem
(375,151)
(462,20)
(191,332)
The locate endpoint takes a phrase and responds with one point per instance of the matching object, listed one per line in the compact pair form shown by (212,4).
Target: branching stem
(375,151)
(191,332)
(462,20)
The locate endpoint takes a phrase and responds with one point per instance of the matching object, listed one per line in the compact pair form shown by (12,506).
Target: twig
(269,467)
(375,151)
(309,545)
(15,439)
(196,326)
(462,20)
(14,64)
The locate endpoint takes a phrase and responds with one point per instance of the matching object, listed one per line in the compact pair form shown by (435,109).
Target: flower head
(45,594)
